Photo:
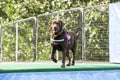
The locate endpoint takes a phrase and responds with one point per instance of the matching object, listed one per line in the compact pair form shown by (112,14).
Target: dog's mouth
(55,32)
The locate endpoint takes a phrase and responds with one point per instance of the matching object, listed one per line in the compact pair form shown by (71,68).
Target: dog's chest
(59,46)
(62,45)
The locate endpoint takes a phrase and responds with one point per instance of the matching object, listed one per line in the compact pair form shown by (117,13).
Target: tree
(12,10)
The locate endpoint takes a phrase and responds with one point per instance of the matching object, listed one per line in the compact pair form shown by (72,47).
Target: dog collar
(60,40)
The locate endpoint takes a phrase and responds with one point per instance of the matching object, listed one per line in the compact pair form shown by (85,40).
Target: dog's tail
(77,35)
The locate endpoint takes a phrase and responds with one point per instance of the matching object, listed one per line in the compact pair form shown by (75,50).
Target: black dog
(63,41)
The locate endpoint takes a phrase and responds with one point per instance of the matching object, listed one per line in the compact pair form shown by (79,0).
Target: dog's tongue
(68,36)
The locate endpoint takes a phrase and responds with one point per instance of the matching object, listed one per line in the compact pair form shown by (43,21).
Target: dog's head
(56,27)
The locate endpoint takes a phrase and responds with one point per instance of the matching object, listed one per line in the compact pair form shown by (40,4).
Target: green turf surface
(50,66)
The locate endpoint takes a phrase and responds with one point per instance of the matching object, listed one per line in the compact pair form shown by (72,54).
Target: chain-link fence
(29,39)
(96,33)
(72,22)
(17,40)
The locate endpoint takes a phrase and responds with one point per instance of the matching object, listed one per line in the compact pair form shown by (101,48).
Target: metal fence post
(16,41)
(83,37)
(35,34)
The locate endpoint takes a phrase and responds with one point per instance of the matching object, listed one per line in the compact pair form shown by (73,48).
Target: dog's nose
(55,28)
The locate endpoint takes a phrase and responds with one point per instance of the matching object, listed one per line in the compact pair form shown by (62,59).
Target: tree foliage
(12,10)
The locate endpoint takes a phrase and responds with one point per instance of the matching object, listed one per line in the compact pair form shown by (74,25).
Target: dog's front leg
(63,58)
(53,55)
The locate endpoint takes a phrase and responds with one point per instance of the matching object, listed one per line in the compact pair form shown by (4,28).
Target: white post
(16,42)
(0,43)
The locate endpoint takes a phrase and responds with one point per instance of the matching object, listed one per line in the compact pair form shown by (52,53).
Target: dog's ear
(61,23)
(50,24)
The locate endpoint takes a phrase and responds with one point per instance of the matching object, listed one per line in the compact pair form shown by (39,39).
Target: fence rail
(62,11)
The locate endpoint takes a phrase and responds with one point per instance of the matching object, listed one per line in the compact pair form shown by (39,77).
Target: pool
(45,71)
(71,75)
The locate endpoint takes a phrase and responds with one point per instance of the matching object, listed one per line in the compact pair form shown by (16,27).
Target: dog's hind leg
(73,60)
(73,51)
(69,58)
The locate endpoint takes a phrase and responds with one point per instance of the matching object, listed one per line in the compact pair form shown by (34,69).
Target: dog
(63,41)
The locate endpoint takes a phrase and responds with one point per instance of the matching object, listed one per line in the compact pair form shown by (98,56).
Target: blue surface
(74,75)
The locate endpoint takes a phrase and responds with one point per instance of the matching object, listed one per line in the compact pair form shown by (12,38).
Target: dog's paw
(62,66)
(68,64)
(73,64)
(54,60)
